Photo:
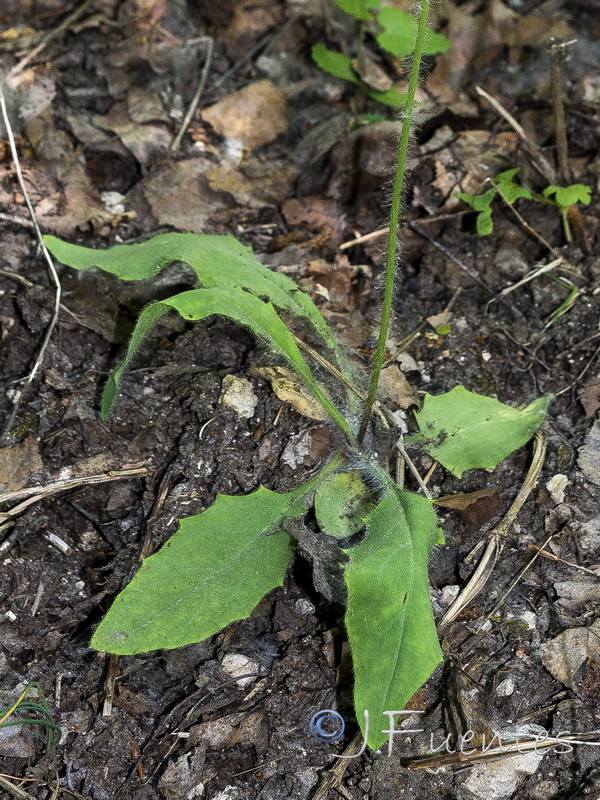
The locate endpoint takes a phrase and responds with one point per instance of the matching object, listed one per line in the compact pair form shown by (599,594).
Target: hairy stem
(392,242)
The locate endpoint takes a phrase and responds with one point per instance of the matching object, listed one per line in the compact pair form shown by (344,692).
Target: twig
(558,53)
(532,232)
(208,54)
(496,542)
(66,23)
(461,265)
(112,673)
(582,373)
(518,577)
(333,777)
(413,469)
(51,268)
(15,791)
(34,494)
(538,158)
(552,557)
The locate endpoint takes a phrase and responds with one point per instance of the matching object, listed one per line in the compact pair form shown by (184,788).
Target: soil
(180,723)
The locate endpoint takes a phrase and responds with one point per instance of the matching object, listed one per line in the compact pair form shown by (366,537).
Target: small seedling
(504,184)
(394,31)
(565,197)
(376,538)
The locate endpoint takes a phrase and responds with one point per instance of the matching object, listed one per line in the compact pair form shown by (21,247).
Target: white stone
(236,664)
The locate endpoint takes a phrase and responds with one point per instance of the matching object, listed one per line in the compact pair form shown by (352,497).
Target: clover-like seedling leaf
(214,570)
(567,196)
(393,97)
(334,63)
(399,34)
(389,620)
(359,9)
(511,191)
(464,430)
(482,203)
(342,504)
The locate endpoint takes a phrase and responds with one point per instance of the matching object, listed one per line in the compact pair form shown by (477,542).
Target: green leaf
(389,620)
(566,196)
(336,64)
(464,430)
(359,9)
(393,97)
(342,504)
(400,32)
(245,308)
(218,262)
(213,571)
(510,190)
(482,204)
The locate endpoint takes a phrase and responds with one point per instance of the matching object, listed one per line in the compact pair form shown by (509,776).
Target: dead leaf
(290,390)
(564,656)
(475,508)
(179,195)
(578,595)
(253,116)
(589,397)
(395,388)
(253,184)
(63,195)
(589,455)
(370,72)
(18,462)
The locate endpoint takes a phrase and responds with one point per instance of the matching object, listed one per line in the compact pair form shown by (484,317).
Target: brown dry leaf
(370,72)
(253,116)
(254,184)
(142,140)
(589,397)
(315,214)
(589,455)
(18,462)
(564,656)
(474,156)
(65,197)
(179,195)
(475,508)
(476,39)
(395,388)
(250,21)
(290,390)
(443,318)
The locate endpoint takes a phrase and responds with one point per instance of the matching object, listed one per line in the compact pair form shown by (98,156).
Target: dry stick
(66,23)
(51,268)
(34,494)
(516,580)
(582,373)
(558,54)
(538,158)
(470,272)
(333,778)
(15,791)
(552,557)
(496,542)
(208,54)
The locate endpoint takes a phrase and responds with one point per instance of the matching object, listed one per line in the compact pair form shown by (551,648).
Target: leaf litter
(114,122)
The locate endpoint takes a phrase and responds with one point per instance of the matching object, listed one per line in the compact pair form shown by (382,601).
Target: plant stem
(397,194)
